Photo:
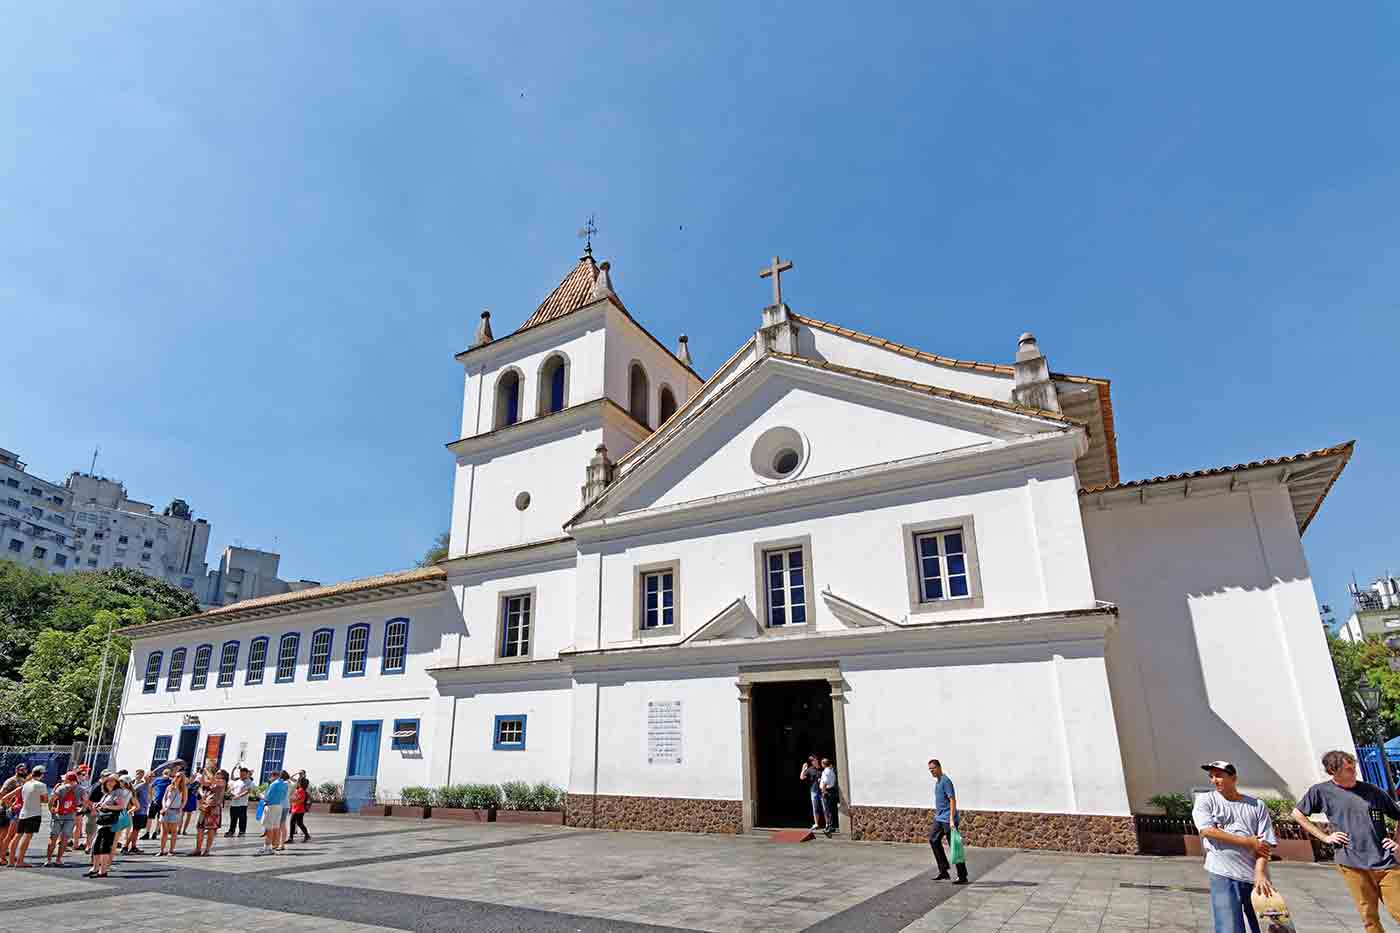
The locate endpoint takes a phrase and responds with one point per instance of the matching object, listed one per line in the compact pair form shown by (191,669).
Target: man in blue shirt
(945,817)
(157,795)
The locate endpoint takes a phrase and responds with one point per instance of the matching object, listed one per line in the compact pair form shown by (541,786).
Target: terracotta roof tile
(568,296)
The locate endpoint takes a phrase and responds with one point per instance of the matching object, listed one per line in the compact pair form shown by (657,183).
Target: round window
(779,454)
(522,501)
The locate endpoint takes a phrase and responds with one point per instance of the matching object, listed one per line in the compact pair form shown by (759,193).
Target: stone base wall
(665,814)
(1061,832)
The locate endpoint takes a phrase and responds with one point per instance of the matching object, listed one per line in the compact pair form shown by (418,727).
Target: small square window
(60,560)
(405,735)
(145,557)
(328,737)
(509,734)
(16,545)
(39,551)
(150,542)
(92,563)
(12,503)
(100,535)
(121,539)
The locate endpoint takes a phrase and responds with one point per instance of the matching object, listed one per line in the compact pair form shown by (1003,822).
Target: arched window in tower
(638,390)
(507,398)
(668,405)
(554,385)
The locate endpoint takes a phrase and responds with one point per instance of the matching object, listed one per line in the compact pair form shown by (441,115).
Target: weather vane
(587,232)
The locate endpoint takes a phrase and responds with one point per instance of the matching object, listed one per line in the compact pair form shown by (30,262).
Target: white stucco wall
(547,710)
(626,342)
(1220,651)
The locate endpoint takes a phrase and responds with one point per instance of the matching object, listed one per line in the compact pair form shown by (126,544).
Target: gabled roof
(1307,488)
(568,296)
(997,369)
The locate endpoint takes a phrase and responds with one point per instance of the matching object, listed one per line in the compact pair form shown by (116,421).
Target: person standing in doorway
(1365,855)
(1237,835)
(831,799)
(238,792)
(945,820)
(811,775)
(300,800)
(63,814)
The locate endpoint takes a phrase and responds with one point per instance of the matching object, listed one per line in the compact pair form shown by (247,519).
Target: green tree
(438,551)
(60,679)
(1369,658)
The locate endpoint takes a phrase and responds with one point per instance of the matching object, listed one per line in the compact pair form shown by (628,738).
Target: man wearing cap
(1237,835)
(1365,855)
(7,826)
(33,794)
(63,810)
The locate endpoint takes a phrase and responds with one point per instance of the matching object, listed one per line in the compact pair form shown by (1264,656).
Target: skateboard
(1272,913)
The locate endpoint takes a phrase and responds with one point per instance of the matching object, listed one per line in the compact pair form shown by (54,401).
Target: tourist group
(114,813)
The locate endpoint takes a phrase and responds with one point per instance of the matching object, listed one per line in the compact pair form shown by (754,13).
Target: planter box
(1168,844)
(1295,850)
(376,809)
(407,812)
(463,815)
(338,806)
(538,817)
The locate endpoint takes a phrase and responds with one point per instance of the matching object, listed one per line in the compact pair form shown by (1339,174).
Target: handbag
(107,817)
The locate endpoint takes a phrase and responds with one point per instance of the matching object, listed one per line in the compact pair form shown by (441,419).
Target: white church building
(663,592)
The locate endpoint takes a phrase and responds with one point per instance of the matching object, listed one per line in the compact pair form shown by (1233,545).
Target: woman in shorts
(111,809)
(172,808)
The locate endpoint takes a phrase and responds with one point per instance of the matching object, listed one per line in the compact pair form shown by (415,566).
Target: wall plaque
(664,746)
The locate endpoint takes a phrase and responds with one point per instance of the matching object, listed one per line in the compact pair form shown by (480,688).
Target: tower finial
(587,232)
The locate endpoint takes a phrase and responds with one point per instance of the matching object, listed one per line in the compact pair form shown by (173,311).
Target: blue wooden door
(362,772)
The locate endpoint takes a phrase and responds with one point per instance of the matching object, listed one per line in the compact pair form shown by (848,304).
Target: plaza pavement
(364,875)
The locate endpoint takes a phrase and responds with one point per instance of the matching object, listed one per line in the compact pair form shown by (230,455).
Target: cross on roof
(775,271)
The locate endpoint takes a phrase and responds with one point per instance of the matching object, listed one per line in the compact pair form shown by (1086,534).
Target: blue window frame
(508,734)
(356,650)
(404,738)
(161,753)
(228,663)
(177,670)
(274,750)
(328,736)
(152,680)
(257,660)
(199,677)
(319,667)
(287,650)
(395,658)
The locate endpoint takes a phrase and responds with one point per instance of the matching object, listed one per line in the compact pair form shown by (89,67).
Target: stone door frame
(779,673)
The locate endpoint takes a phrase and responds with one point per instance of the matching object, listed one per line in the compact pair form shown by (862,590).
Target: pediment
(735,620)
(835,419)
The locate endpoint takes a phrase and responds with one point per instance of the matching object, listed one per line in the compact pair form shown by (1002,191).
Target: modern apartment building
(1375,610)
(35,524)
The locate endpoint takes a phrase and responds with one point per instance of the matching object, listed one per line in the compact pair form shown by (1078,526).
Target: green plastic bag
(955,848)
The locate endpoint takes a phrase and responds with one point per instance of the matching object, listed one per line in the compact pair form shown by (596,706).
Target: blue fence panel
(1370,761)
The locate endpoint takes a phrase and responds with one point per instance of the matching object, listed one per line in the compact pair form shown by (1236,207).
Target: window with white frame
(942,564)
(228,663)
(356,650)
(785,581)
(177,670)
(161,753)
(658,599)
(257,661)
(328,736)
(287,657)
(152,679)
(200,676)
(319,667)
(395,646)
(515,625)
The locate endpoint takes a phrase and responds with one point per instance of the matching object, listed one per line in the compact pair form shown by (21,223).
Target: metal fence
(55,759)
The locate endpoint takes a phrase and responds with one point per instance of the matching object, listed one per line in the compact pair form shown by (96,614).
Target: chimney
(1033,385)
(602,282)
(598,475)
(483,330)
(683,350)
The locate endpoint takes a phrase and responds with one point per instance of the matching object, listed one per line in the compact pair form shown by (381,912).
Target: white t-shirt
(31,794)
(238,793)
(828,780)
(1244,817)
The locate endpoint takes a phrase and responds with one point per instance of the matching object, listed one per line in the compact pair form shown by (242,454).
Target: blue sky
(239,243)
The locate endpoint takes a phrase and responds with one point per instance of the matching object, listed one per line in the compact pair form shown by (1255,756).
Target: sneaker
(814,828)
(263,851)
(960,881)
(942,876)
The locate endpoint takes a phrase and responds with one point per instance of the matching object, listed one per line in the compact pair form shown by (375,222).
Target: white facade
(1077,646)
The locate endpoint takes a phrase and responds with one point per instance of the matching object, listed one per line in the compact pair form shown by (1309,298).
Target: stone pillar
(778,334)
(1033,385)
(683,350)
(599,474)
(483,330)
(746,745)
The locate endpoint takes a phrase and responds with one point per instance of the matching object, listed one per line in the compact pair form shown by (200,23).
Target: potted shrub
(1294,843)
(482,802)
(415,803)
(377,808)
(1173,832)
(526,803)
(331,794)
